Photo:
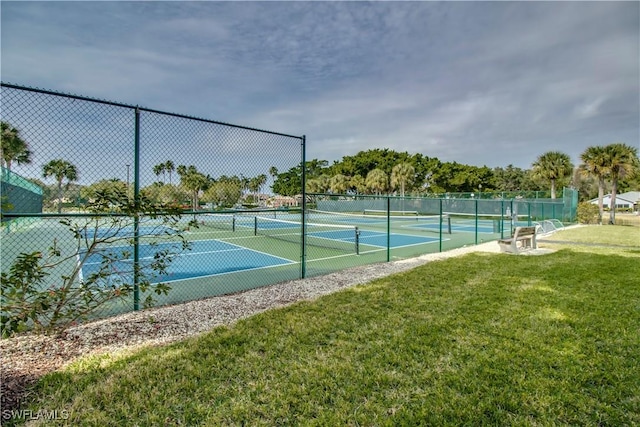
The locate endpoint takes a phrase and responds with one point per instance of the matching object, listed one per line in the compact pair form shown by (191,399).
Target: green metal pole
(303,242)
(388,228)
(476,221)
(501,226)
(136,217)
(440,248)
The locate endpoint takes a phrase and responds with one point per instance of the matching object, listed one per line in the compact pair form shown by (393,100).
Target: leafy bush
(48,292)
(588,213)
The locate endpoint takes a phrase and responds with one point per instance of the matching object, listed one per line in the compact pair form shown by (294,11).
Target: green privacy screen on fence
(113,186)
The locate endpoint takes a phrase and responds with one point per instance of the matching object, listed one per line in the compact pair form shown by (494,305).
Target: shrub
(47,292)
(588,213)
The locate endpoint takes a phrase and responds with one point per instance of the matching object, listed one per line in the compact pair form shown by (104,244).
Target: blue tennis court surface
(204,258)
(396,240)
(348,235)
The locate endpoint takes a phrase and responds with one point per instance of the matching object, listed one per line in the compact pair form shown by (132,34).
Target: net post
(448,219)
(255,225)
(233,223)
(357,241)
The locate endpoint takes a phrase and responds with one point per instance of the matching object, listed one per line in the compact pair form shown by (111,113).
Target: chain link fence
(117,191)
(122,197)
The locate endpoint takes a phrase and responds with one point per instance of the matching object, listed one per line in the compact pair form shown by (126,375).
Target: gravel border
(26,358)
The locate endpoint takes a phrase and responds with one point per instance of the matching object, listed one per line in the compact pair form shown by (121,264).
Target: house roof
(630,195)
(618,198)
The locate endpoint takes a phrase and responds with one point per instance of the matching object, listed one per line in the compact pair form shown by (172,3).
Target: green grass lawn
(484,339)
(604,239)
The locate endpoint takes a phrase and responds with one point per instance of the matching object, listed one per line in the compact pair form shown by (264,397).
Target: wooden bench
(524,238)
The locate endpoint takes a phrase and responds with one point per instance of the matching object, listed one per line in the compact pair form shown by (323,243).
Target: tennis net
(382,212)
(486,223)
(345,238)
(408,223)
(217,221)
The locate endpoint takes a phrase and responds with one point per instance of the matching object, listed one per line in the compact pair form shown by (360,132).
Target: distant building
(628,200)
(281,201)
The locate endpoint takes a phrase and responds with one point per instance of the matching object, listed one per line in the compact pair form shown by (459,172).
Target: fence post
(388,228)
(476,208)
(303,242)
(440,249)
(136,217)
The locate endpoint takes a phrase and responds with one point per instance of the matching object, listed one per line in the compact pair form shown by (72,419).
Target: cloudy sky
(480,83)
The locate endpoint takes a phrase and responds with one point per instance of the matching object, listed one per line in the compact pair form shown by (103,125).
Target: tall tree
(262,180)
(377,181)
(255,184)
(358,184)
(552,166)
(319,184)
(13,148)
(60,169)
(511,178)
(315,167)
(160,169)
(622,160)
(289,183)
(193,181)
(339,183)
(170,167)
(273,171)
(402,176)
(594,163)
(225,192)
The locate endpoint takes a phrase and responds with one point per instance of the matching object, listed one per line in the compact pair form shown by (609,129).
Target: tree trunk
(59,196)
(553,188)
(600,199)
(612,206)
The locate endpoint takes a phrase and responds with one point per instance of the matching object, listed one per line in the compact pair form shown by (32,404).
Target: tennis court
(339,235)
(233,252)
(192,263)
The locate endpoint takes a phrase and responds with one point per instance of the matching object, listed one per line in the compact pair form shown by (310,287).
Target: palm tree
(254,187)
(319,184)
(60,169)
(169,167)
(273,171)
(244,183)
(358,184)
(314,185)
(622,160)
(13,148)
(193,181)
(376,181)
(261,181)
(402,175)
(339,183)
(594,163)
(160,169)
(552,166)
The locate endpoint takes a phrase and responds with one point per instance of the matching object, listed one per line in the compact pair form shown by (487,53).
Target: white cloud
(491,83)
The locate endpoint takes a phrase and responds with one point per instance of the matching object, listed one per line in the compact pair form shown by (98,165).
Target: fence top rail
(138,108)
